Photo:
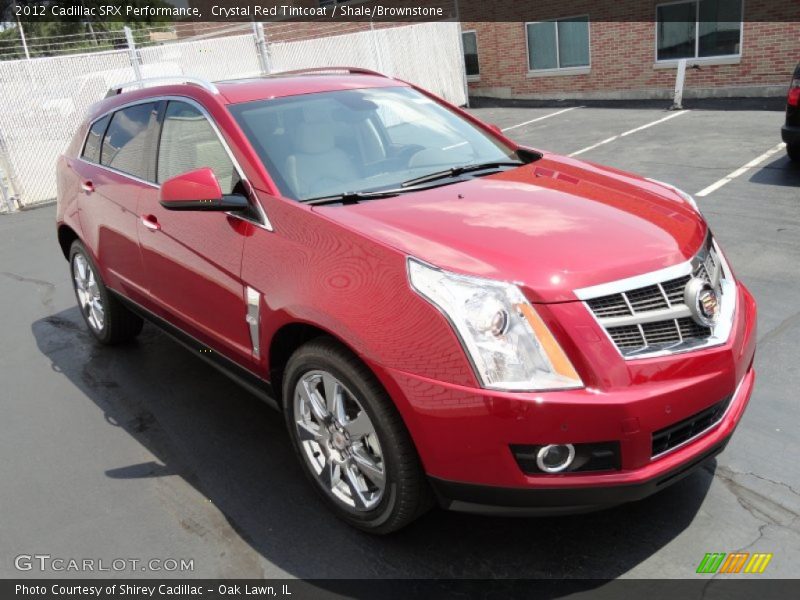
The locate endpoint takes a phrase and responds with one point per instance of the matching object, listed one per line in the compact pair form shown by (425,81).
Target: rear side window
(188,142)
(126,144)
(91,150)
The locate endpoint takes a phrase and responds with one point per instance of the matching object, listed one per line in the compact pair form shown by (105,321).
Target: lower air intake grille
(670,437)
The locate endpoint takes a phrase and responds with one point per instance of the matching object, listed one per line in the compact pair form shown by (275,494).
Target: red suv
(441,314)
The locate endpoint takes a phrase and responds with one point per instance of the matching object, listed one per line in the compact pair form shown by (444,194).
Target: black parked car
(791,131)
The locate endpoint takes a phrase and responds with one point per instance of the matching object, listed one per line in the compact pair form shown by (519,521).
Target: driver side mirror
(495,128)
(198,190)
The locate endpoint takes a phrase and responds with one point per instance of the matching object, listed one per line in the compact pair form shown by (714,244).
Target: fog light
(555,458)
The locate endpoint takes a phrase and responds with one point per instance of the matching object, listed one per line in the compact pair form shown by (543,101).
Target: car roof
(235,91)
(247,90)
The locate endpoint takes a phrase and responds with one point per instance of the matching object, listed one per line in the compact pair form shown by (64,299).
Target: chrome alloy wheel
(89,298)
(339,441)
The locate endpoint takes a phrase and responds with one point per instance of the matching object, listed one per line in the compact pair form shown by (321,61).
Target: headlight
(507,342)
(680,192)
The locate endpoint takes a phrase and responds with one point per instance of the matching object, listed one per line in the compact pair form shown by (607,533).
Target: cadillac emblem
(703,301)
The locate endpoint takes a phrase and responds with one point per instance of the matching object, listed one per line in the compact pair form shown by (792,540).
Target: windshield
(330,143)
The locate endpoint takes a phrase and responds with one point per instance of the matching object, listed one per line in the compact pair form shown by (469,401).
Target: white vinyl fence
(43,100)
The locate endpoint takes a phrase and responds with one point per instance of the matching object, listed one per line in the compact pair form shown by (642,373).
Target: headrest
(315,138)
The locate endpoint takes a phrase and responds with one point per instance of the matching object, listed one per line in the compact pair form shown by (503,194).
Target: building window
(470,41)
(698,29)
(559,44)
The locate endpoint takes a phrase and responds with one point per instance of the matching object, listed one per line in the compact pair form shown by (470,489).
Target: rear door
(193,259)
(116,164)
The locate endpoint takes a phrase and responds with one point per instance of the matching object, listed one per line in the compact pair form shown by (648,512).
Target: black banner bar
(744,588)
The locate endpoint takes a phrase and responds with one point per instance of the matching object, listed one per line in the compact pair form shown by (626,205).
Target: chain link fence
(44,100)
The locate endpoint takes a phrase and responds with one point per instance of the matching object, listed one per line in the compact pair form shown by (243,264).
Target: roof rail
(142,83)
(353,70)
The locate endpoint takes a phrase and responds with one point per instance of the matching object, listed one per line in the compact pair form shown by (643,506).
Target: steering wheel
(322,184)
(405,155)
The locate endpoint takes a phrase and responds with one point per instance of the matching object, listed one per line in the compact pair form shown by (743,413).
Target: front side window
(470,40)
(126,144)
(188,142)
(91,149)
(317,145)
(560,44)
(699,29)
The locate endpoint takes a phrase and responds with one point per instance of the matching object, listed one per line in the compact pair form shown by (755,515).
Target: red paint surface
(200,185)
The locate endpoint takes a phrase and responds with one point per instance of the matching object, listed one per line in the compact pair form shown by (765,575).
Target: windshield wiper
(353,197)
(456,171)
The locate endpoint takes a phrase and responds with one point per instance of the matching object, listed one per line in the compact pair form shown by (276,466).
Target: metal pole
(132,55)
(376,48)
(677,99)
(12,199)
(464,80)
(24,41)
(89,23)
(261,47)
(92,33)
(4,195)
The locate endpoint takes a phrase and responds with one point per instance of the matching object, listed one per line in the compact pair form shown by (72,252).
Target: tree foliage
(47,36)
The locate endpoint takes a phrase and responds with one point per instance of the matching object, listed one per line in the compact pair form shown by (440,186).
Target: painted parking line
(547,116)
(560,112)
(629,132)
(740,171)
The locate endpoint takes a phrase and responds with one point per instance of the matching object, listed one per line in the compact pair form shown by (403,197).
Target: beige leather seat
(318,167)
(189,144)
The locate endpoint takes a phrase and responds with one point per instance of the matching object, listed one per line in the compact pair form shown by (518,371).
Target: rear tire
(351,441)
(106,317)
(793,152)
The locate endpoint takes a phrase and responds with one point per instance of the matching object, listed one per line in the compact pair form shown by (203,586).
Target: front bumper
(463,497)
(464,435)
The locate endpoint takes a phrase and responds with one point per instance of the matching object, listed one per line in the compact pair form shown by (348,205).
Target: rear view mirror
(495,128)
(198,190)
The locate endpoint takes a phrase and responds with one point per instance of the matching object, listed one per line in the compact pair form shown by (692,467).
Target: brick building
(603,49)
(585,49)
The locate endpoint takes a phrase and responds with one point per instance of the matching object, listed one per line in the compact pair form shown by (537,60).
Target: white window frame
(722,59)
(477,53)
(559,70)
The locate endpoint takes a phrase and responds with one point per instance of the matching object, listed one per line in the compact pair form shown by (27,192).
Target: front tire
(350,439)
(108,320)
(794,152)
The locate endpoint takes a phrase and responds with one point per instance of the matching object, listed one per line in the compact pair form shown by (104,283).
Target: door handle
(151,222)
(87,186)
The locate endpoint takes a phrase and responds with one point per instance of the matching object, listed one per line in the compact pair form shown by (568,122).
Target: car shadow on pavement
(780,171)
(234,450)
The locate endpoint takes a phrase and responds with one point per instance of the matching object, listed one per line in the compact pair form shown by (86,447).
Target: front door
(193,259)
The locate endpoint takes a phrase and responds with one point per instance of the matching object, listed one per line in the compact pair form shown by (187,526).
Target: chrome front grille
(647,315)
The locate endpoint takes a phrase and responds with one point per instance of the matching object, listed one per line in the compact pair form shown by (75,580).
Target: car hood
(553,226)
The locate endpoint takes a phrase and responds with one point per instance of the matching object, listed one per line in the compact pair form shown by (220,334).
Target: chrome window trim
(720,333)
(118,172)
(700,434)
(264,222)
